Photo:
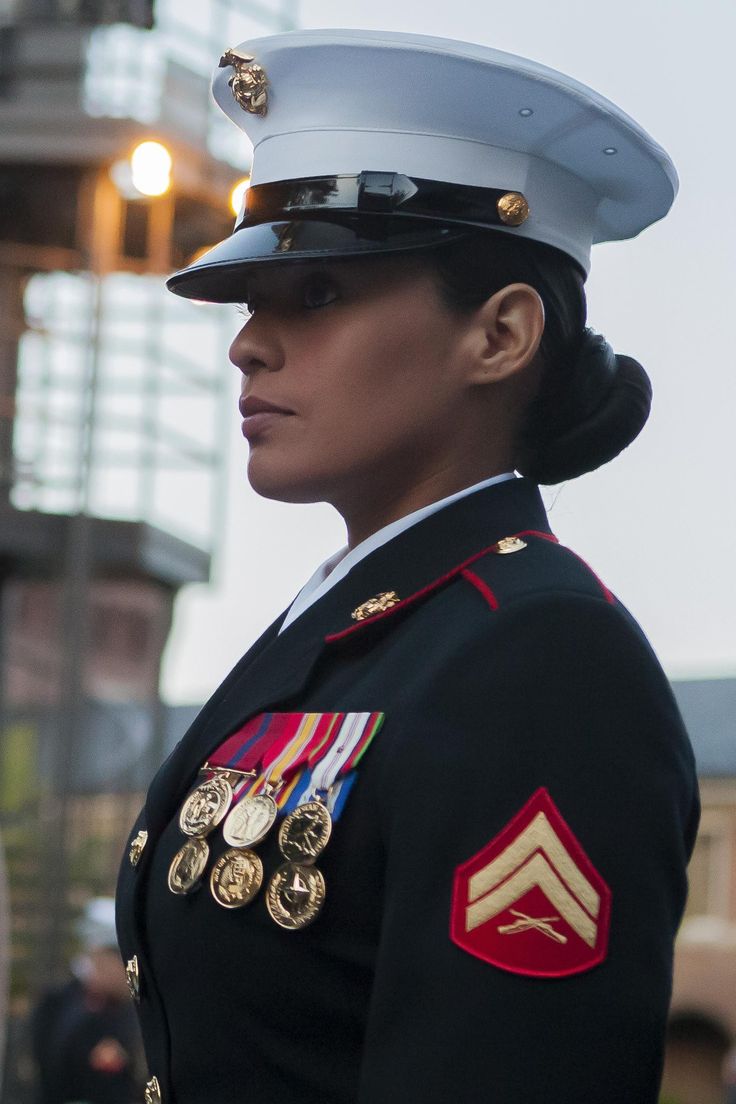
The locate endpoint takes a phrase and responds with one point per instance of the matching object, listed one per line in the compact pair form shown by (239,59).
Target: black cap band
(382,193)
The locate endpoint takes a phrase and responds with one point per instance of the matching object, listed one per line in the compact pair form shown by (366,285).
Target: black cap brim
(219,275)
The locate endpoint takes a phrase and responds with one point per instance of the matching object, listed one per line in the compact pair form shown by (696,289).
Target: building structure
(703,1012)
(111,408)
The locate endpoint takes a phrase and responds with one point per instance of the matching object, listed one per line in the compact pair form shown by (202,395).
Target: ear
(504,335)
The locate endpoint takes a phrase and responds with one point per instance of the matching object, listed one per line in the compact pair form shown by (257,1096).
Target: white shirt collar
(337,566)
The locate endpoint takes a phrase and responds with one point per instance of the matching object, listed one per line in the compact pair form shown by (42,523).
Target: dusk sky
(658,524)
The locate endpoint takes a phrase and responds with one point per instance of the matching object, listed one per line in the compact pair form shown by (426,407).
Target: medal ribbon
(356,733)
(271,750)
(331,768)
(246,748)
(285,759)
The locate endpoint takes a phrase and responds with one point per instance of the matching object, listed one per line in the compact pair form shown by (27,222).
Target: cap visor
(219,275)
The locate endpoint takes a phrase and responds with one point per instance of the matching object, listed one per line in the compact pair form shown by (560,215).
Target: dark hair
(591,403)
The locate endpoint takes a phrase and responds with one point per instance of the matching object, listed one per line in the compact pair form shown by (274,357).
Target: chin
(283,486)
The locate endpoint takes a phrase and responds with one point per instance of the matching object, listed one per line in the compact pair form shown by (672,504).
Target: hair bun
(602,408)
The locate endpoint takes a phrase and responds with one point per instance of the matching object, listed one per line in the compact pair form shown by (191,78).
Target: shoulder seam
(607,594)
(542,594)
(482,587)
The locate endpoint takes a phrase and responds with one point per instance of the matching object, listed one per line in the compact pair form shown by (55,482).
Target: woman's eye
(318,292)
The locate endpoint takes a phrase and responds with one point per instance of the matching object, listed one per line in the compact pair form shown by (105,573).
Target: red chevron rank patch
(531,902)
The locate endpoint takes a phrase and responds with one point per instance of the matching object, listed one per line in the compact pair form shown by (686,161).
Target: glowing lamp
(150,164)
(236,195)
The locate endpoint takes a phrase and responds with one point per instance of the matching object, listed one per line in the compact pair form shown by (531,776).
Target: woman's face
(350,382)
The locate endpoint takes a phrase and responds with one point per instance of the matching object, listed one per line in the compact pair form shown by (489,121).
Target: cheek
(409,374)
(371,390)
(392,362)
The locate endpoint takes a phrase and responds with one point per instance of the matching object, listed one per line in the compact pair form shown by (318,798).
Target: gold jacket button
(152,1094)
(133,978)
(136,848)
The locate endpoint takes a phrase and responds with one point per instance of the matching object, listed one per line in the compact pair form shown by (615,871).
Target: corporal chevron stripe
(537,871)
(539,835)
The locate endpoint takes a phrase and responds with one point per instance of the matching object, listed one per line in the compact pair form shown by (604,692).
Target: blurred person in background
(4,959)
(428,840)
(85,1036)
(729,1077)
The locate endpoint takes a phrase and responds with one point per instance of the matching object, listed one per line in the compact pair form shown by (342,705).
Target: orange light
(197,254)
(150,164)
(236,195)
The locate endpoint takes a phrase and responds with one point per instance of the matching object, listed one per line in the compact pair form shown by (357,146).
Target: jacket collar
(414,564)
(426,556)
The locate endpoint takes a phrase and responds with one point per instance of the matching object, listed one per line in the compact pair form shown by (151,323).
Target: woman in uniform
(428,840)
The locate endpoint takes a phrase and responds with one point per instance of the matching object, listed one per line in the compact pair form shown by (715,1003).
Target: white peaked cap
(344,103)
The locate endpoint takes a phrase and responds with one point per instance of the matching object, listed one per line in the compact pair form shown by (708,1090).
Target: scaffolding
(114,396)
(117,415)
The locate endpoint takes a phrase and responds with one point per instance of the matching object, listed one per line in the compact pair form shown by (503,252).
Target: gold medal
(305,832)
(236,878)
(250,820)
(187,865)
(206,806)
(295,895)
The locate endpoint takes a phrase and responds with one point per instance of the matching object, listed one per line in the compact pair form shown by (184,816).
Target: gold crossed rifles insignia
(536,857)
(525,923)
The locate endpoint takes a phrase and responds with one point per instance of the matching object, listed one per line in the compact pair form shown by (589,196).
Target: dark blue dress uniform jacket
(516,673)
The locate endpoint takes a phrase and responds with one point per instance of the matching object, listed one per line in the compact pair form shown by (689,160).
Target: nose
(256,347)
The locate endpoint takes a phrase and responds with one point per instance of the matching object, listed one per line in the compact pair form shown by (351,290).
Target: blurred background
(136,565)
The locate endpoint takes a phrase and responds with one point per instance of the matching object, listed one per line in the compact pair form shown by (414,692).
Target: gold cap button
(513,209)
(136,848)
(152,1094)
(133,978)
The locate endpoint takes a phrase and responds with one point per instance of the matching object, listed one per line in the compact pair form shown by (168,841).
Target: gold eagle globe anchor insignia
(249,83)
(507,545)
(379,604)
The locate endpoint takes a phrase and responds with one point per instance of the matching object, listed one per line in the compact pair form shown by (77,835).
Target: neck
(370,513)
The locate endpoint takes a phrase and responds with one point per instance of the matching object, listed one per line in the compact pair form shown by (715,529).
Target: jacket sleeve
(560,692)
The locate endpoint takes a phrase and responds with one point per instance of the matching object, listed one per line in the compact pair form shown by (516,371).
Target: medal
(206,806)
(305,832)
(296,892)
(187,866)
(234,768)
(295,895)
(250,820)
(236,878)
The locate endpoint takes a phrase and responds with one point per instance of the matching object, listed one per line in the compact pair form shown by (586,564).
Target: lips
(250,405)
(260,416)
